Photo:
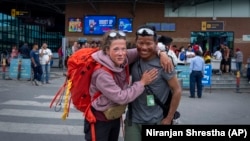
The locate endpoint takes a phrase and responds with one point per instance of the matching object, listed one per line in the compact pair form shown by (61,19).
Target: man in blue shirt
(197,68)
(35,64)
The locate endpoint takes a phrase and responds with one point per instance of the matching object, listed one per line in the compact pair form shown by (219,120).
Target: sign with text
(185,72)
(206,80)
(25,69)
(20,13)
(212,25)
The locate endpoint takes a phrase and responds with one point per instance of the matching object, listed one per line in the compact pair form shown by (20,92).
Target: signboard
(206,80)
(25,69)
(212,25)
(185,72)
(15,13)
(75,25)
(245,37)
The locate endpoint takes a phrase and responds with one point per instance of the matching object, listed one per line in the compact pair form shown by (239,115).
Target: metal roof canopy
(58,6)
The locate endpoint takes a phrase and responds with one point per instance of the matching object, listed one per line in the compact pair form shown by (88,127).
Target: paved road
(25,112)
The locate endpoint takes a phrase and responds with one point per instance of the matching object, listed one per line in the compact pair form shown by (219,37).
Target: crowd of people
(41,59)
(183,55)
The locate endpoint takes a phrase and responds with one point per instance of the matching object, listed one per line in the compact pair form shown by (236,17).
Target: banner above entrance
(212,26)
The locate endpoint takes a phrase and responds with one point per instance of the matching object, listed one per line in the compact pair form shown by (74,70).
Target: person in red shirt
(14,53)
(60,55)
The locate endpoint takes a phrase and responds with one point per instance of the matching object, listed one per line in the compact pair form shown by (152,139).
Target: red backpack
(81,65)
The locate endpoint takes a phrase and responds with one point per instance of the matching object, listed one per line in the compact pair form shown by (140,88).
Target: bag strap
(165,106)
(149,90)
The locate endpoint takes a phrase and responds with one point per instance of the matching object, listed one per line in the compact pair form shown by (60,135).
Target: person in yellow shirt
(207,57)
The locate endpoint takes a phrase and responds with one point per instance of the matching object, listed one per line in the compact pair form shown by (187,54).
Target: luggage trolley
(233,65)
(215,63)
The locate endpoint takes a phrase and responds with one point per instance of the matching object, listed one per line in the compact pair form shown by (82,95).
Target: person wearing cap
(145,110)
(238,59)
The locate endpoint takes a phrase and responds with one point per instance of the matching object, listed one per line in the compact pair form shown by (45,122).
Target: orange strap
(92,126)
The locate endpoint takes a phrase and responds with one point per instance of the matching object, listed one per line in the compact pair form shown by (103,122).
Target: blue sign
(25,69)
(206,80)
(125,24)
(98,24)
(185,75)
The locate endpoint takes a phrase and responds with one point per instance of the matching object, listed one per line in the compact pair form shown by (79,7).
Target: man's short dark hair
(165,40)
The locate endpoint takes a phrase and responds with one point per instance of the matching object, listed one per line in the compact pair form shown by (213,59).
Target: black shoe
(191,97)
(199,96)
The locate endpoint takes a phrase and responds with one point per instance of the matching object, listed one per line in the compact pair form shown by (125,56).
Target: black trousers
(37,72)
(104,130)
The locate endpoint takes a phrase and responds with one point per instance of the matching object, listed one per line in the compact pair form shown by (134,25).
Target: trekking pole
(4,67)
(19,69)
(237,81)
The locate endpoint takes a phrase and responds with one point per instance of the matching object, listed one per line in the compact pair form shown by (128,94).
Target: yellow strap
(66,100)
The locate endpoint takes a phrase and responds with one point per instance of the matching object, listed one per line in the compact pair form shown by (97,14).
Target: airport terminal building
(206,22)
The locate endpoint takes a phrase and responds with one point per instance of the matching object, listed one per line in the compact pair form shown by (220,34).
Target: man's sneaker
(48,83)
(35,82)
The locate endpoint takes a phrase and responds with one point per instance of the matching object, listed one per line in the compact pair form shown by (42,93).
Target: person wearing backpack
(146,109)
(182,56)
(112,81)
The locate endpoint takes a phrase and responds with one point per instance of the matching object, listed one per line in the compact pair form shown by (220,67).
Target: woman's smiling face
(118,51)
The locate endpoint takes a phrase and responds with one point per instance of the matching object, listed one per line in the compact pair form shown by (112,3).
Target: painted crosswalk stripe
(32,103)
(45,97)
(32,128)
(38,114)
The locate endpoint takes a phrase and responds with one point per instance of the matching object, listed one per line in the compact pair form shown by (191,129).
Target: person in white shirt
(217,54)
(45,58)
(189,54)
(74,47)
(164,43)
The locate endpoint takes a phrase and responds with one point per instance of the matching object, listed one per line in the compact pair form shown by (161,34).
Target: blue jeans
(196,78)
(46,73)
(239,66)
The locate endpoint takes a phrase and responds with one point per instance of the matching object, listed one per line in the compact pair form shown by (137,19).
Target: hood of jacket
(106,61)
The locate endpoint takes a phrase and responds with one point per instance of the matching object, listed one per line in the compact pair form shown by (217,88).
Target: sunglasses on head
(116,33)
(145,31)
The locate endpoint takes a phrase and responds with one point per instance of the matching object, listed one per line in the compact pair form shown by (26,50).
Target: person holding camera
(45,59)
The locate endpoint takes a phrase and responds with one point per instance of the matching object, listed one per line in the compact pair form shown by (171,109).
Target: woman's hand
(148,76)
